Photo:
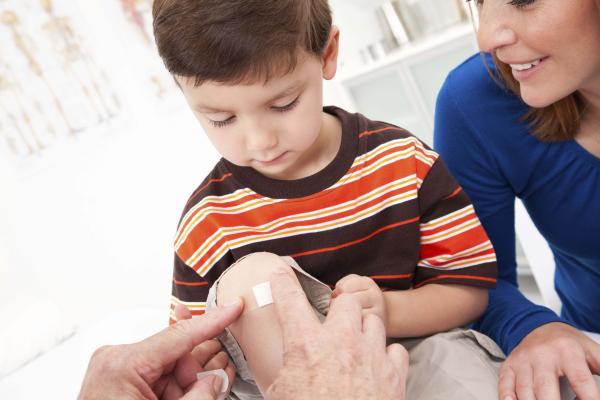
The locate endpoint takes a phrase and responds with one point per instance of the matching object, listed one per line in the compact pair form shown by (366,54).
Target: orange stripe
(456,191)
(201,188)
(341,246)
(401,276)
(389,128)
(190,283)
(469,277)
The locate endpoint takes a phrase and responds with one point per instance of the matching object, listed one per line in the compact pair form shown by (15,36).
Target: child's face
(275,127)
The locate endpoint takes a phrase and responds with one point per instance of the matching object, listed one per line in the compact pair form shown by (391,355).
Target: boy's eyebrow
(286,92)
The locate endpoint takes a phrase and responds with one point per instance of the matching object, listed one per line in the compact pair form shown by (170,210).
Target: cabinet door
(429,69)
(385,96)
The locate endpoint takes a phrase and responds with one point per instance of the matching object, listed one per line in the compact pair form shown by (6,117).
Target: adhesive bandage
(262,294)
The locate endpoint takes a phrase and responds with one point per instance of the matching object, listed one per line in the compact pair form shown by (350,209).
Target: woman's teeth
(523,67)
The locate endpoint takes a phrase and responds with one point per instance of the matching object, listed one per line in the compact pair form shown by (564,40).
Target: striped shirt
(386,207)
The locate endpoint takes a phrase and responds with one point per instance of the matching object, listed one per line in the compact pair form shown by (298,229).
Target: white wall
(93,231)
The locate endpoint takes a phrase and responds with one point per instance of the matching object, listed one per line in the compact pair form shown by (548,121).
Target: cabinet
(401,87)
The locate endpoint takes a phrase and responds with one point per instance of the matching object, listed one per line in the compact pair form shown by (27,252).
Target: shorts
(437,363)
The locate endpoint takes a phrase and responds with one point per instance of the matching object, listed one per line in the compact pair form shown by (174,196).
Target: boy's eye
(220,124)
(287,107)
(521,3)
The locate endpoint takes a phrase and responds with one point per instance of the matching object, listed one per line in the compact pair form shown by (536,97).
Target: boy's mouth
(272,160)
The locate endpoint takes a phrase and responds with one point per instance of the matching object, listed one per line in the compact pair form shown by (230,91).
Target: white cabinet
(401,88)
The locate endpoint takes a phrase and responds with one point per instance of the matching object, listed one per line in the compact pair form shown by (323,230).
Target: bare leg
(257,330)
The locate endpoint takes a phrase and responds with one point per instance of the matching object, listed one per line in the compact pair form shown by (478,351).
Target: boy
(350,203)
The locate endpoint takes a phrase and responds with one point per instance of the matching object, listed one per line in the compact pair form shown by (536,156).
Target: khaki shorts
(458,364)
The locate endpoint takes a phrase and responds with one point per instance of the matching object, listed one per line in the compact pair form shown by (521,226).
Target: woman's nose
(495,27)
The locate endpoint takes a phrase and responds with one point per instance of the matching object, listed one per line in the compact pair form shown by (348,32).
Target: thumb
(180,338)
(208,388)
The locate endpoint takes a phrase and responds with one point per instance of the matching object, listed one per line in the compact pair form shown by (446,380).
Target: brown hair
(238,41)
(558,121)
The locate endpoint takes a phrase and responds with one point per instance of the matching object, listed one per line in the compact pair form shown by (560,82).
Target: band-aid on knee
(224,381)
(262,294)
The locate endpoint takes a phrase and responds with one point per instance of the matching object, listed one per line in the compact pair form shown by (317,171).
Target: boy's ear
(330,54)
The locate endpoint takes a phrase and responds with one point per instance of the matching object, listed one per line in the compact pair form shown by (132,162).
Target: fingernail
(507,398)
(217,384)
(232,303)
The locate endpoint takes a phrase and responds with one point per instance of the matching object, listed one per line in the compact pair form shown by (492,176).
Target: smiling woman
(570,55)
(523,121)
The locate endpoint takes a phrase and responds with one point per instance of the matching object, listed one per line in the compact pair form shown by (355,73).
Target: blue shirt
(495,158)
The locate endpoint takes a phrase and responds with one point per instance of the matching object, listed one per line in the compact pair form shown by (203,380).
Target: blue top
(495,158)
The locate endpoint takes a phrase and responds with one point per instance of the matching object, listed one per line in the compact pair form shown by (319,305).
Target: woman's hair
(555,122)
(235,41)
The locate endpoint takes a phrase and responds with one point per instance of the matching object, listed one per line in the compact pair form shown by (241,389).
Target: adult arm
(509,316)
(541,346)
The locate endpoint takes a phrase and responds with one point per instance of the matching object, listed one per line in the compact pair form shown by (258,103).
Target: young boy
(350,203)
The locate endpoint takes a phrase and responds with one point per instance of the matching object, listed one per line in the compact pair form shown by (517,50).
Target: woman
(524,121)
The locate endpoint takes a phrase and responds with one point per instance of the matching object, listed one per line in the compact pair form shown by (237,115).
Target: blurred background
(98,151)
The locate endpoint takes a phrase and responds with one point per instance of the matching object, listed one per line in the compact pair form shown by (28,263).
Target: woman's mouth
(524,71)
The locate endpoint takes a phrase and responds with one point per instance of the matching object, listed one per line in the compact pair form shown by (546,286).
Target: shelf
(409,50)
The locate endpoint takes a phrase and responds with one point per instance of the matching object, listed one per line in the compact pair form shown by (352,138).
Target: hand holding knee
(345,357)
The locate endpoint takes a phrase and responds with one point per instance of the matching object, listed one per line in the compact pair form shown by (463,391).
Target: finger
(219,361)
(345,312)
(582,382)
(204,389)
(180,338)
(295,314)
(374,331)
(365,298)
(594,358)
(230,371)
(524,384)
(545,384)
(186,369)
(344,281)
(506,384)
(172,391)
(399,357)
(352,283)
(206,350)
(182,312)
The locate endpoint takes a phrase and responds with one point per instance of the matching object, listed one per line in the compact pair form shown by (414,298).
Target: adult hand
(208,355)
(553,350)
(343,358)
(161,366)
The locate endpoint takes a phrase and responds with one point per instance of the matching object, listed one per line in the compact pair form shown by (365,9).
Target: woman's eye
(521,3)
(287,107)
(220,124)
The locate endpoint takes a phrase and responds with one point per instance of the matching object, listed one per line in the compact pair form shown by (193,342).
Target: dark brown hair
(234,41)
(555,122)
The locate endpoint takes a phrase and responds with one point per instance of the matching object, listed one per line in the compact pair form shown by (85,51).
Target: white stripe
(448,218)
(459,264)
(471,224)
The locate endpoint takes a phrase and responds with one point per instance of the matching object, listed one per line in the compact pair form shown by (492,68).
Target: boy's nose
(495,28)
(260,139)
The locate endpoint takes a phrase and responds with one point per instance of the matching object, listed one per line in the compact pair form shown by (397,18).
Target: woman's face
(552,46)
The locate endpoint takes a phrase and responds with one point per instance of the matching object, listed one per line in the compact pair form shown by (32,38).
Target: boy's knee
(238,281)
